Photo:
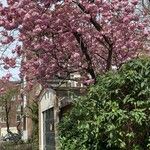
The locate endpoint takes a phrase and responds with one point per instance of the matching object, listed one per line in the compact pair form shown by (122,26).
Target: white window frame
(18,108)
(13,98)
(3,119)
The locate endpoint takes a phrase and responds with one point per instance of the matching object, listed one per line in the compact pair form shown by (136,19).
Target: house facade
(47,120)
(53,104)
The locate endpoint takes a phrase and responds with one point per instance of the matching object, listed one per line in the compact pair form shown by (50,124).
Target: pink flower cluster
(9,62)
(59,38)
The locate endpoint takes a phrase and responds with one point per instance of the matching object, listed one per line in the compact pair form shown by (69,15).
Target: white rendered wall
(46,102)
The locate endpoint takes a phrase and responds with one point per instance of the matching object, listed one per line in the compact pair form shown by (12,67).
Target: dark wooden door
(48,129)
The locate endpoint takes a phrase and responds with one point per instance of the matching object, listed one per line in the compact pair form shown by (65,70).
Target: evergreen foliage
(115,113)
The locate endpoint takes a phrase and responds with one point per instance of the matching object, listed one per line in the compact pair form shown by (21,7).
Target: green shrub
(115,113)
(17,146)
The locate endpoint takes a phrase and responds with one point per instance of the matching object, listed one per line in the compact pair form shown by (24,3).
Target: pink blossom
(134,2)
(73,37)
(2,90)
(88,82)
(8,76)
(75,55)
(146,32)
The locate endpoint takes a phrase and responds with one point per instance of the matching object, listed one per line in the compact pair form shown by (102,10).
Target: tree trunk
(7,110)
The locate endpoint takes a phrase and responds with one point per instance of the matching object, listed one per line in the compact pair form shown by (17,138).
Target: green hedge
(21,146)
(115,113)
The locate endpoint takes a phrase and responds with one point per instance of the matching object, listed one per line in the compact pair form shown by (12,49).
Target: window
(79,84)
(19,97)
(18,118)
(2,108)
(3,119)
(48,129)
(13,98)
(18,107)
(24,123)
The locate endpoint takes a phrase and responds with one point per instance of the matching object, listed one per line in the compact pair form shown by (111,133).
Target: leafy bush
(115,113)
(17,146)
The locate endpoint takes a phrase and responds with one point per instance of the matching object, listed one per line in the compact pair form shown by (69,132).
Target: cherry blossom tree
(58,38)
(146,4)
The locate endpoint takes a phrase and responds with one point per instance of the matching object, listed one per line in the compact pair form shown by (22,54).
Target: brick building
(11,110)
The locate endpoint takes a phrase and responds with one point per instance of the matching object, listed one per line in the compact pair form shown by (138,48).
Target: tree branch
(98,27)
(84,49)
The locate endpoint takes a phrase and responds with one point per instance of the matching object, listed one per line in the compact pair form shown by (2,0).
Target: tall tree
(7,102)
(63,37)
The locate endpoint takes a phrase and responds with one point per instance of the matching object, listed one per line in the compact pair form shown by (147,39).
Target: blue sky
(13,71)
